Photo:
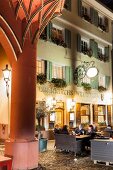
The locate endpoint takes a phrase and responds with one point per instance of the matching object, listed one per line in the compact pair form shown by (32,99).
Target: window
(101,52)
(40,67)
(84,45)
(86,12)
(101,114)
(101,80)
(85,116)
(57,35)
(57,72)
(102,22)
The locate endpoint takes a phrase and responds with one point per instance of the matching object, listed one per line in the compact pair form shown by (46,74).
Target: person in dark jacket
(64,130)
(57,129)
(80,130)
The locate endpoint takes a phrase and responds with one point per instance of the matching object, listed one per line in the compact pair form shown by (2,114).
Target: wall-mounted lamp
(85,69)
(6,74)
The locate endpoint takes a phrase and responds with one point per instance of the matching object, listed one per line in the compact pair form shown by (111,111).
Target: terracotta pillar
(22,145)
(24,94)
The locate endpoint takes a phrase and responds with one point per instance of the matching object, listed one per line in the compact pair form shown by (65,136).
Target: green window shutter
(67,74)
(94,82)
(49,28)
(92,42)
(80,8)
(45,64)
(107,81)
(95,49)
(68,38)
(79,84)
(78,42)
(71,75)
(106,53)
(106,24)
(95,18)
(48,70)
(92,15)
(67,5)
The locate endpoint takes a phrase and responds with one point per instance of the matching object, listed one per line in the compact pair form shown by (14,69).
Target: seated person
(80,130)
(108,128)
(108,131)
(95,126)
(91,132)
(57,129)
(64,130)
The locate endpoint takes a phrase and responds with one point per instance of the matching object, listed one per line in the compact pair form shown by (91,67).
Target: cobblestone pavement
(52,160)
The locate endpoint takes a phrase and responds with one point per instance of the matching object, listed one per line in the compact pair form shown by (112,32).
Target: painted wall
(4,101)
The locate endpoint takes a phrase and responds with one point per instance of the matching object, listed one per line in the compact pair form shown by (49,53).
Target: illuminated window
(57,72)
(57,35)
(40,67)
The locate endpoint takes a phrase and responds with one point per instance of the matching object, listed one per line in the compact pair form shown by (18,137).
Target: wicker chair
(68,143)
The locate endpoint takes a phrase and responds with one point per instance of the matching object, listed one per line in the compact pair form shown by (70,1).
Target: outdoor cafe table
(82,136)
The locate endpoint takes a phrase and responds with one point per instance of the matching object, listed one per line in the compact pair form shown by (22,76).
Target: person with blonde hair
(57,129)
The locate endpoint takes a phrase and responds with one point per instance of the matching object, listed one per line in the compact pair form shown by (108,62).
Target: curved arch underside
(35,14)
(5,42)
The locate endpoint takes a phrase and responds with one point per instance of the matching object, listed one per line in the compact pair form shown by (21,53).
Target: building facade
(81,38)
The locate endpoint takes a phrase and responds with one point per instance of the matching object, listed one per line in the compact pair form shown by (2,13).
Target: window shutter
(67,74)
(79,84)
(107,81)
(68,38)
(48,70)
(95,18)
(71,75)
(92,45)
(78,42)
(80,8)
(49,28)
(106,24)
(92,15)
(94,82)
(45,61)
(67,5)
(106,53)
(95,49)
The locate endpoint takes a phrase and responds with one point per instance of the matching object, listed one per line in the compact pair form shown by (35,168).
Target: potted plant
(86,86)
(101,88)
(59,83)
(41,113)
(41,78)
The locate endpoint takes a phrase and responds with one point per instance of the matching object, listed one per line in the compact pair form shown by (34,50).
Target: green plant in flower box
(59,83)
(41,78)
(86,86)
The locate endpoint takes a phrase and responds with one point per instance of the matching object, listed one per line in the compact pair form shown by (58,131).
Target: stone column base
(24,154)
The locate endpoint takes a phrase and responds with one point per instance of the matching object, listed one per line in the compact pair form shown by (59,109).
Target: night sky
(108,3)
